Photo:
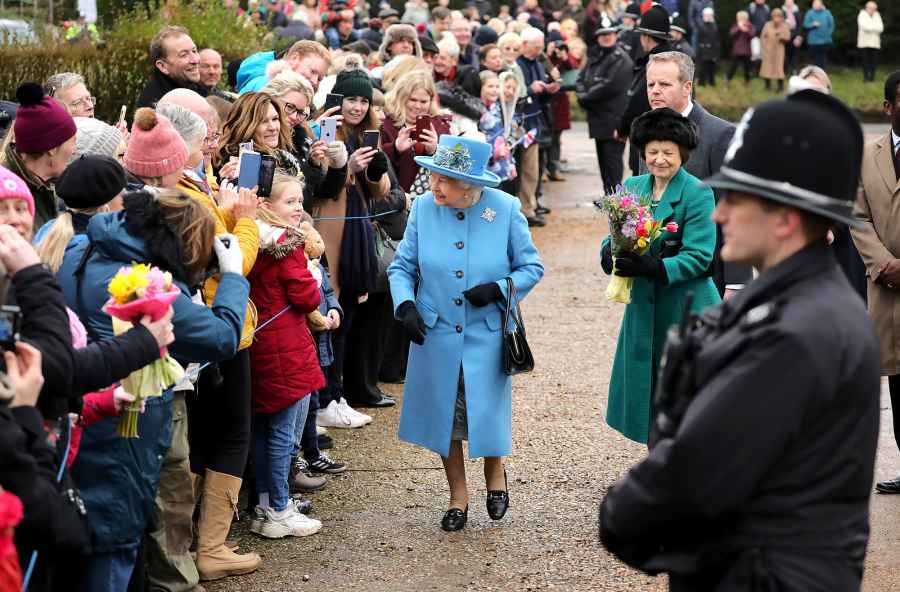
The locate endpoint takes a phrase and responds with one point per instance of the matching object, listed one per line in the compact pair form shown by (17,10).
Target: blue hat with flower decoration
(461,158)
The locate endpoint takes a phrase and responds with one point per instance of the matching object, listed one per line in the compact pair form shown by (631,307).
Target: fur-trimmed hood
(398,32)
(278,242)
(149,237)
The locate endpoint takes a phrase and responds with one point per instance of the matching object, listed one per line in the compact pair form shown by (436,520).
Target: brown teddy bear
(314,246)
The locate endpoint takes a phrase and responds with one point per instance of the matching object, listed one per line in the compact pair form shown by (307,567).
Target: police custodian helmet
(804,151)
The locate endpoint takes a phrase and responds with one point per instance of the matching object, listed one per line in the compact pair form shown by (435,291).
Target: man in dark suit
(670,78)
(654,38)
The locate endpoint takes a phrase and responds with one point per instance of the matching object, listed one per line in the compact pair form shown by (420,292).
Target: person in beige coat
(878,242)
(773,38)
(868,38)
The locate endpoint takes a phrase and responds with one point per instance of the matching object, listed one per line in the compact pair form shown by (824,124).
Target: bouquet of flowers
(136,292)
(631,228)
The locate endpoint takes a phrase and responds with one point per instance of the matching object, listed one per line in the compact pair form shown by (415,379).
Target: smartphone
(10,321)
(328,130)
(266,175)
(333,100)
(423,122)
(248,169)
(371,138)
(122,114)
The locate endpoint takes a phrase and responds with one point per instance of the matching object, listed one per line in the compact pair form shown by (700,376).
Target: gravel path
(381,518)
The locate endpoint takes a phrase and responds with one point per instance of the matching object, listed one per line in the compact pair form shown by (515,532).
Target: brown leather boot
(214,559)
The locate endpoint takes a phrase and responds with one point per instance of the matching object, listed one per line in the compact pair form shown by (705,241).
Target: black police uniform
(741,488)
(763,482)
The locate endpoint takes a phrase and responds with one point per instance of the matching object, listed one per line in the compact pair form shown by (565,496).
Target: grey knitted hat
(95,137)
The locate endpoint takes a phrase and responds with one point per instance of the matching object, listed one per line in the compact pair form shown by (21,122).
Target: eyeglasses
(291,109)
(92,101)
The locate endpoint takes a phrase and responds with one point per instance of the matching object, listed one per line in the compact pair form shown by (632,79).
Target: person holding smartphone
(349,237)
(411,127)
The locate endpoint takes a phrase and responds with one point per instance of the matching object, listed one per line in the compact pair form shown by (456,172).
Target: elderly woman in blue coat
(448,282)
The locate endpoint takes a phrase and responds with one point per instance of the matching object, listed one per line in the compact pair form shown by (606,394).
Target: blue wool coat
(446,251)
(655,307)
(118,476)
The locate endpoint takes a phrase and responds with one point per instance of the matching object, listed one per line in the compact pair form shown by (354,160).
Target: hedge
(117,70)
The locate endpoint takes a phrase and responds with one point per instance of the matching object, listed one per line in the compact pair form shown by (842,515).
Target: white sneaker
(256,522)
(332,417)
(292,523)
(353,413)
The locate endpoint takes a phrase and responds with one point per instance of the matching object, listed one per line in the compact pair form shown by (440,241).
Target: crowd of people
(301,290)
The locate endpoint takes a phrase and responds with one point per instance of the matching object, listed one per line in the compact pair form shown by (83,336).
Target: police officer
(602,91)
(763,449)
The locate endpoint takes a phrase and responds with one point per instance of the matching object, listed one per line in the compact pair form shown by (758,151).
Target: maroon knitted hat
(41,123)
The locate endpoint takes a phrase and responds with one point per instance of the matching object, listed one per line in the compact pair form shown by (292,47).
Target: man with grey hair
(194,103)
(210,68)
(447,59)
(70,90)
(670,83)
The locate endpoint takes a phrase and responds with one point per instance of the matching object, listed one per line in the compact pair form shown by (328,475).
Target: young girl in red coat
(284,366)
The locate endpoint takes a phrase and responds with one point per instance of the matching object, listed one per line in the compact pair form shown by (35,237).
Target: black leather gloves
(412,322)
(606,259)
(377,167)
(484,294)
(630,264)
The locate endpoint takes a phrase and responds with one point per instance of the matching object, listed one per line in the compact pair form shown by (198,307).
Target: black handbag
(517,357)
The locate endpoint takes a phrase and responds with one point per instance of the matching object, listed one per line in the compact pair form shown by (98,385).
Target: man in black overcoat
(601,89)
(763,443)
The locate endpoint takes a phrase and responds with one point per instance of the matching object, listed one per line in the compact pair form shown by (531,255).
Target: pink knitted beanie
(155,149)
(13,187)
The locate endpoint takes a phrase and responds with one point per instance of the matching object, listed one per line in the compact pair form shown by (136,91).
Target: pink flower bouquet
(631,228)
(136,292)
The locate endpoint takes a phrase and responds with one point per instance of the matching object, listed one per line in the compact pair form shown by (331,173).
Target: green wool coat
(655,307)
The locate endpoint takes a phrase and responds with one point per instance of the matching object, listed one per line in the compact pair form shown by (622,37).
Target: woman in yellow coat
(219,410)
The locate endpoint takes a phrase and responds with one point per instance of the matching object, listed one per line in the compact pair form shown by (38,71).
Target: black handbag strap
(512,309)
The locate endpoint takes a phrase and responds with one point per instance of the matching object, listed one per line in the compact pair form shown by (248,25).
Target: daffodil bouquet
(135,292)
(631,228)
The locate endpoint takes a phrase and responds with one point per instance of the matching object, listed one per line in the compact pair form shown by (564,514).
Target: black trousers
(707,73)
(309,441)
(219,417)
(870,63)
(894,388)
(365,348)
(554,153)
(339,340)
(740,61)
(609,158)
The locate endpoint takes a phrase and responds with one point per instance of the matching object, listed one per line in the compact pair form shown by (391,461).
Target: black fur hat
(663,125)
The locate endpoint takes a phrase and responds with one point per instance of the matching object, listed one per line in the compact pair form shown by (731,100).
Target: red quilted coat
(284,365)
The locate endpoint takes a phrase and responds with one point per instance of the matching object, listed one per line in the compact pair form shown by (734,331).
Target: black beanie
(353,83)
(90,181)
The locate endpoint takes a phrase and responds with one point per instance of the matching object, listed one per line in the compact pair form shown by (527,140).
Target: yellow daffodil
(642,243)
(129,283)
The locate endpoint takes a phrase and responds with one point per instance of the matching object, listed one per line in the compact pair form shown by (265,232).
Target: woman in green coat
(676,264)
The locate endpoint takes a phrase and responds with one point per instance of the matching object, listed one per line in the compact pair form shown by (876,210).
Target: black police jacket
(770,470)
(602,89)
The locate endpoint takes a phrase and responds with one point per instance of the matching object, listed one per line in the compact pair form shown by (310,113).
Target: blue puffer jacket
(251,76)
(118,477)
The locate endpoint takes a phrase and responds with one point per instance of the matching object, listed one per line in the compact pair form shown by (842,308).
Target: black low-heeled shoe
(455,519)
(498,501)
